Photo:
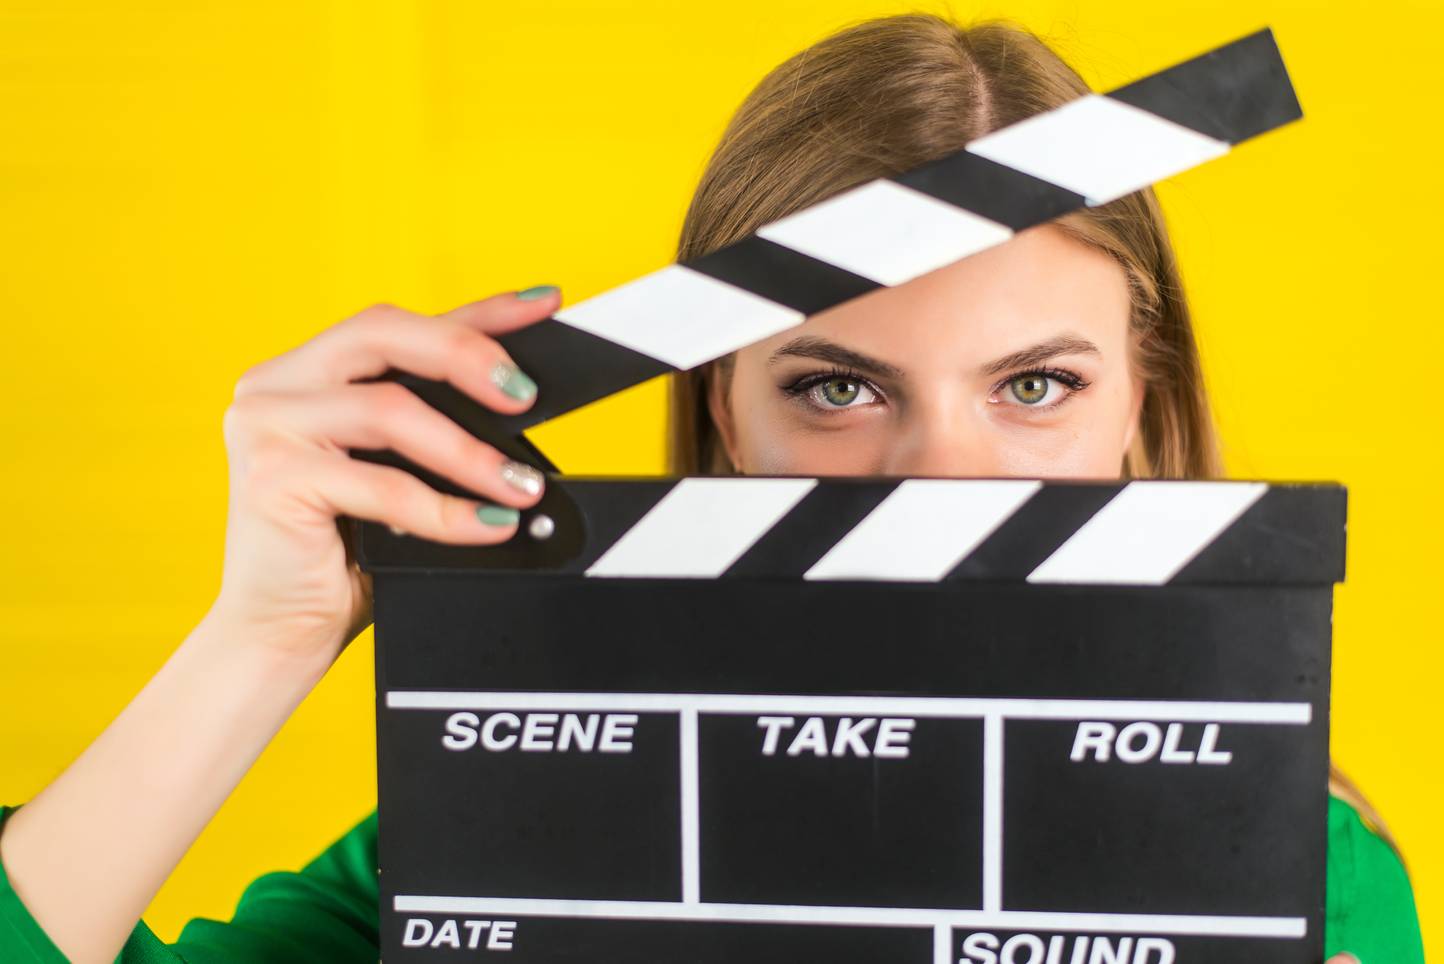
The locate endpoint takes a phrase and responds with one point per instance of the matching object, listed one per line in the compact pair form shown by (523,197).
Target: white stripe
(942,944)
(1098,147)
(1200,924)
(680,316)
(701,527)
(1162,711)
(1147,532)
(885,231)
(923,528)
(992,812)
(691,811)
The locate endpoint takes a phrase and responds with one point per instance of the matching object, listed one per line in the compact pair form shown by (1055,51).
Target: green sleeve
(1370,905)
(326,911)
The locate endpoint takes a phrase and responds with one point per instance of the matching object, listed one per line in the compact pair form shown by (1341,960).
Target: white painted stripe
(942,944)
(1098,147)
(1222,926)
(923,528)
(1162,711)
(1147,532)
(680,316)
(992,812)
(700,527)
(691,811)
(885,231)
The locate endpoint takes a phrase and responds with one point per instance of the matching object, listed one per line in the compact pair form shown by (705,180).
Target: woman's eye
(1034,390)
(840,393)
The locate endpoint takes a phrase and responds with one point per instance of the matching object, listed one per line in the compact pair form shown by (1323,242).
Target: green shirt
(328,911)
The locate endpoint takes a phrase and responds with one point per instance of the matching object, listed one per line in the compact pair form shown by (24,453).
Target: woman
(1066,352)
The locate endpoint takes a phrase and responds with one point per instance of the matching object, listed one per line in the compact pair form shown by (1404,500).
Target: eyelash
(801,386)
(1070,379)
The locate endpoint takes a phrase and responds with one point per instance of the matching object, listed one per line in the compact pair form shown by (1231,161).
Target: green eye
(1030,389)
(834,393)
(840,391)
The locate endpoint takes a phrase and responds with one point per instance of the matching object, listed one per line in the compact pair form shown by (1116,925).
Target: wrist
(269,653)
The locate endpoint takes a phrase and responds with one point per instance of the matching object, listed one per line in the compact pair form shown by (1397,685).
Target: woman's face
(1012,362)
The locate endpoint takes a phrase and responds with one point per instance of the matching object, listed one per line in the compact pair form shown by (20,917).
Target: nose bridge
(939,439)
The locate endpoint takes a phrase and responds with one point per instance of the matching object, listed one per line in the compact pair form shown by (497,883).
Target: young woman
(1066,352)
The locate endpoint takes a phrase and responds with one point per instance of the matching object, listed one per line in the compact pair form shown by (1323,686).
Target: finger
(384,336)
(340,485)
(506,311)
(1344,958)
(386,415)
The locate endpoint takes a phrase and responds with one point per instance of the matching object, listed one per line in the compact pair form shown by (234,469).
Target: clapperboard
(780,719)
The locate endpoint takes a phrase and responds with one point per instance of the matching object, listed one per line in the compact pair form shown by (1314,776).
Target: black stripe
(816,524)
(572,367)
(1035,531)
(563,551)
(780,274)
(1294,533)
(589,517)
(609,510)
(1233,93)
(997,192)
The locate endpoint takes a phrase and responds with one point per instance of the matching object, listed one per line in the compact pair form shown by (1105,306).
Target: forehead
(1036,285)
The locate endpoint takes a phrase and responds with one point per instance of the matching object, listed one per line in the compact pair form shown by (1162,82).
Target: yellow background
(188,188)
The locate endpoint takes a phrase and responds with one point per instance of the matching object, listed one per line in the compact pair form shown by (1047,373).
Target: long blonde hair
(885,95)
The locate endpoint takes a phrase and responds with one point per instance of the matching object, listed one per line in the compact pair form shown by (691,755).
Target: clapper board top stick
(864,719)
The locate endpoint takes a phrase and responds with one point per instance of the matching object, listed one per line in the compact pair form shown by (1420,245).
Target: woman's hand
(88,854)
(1344,958)
(288,581)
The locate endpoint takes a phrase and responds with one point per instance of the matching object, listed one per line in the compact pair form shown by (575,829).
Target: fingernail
(512,380)
(521,476)
(539,291)
(497,515)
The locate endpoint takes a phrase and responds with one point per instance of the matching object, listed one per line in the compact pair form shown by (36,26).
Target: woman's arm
(89,852)
(326,911)
(1371,910)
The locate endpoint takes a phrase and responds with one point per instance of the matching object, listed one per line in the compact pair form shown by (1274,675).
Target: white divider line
(938,521)
(942,944)
(1181,711)
(1178,924)
(886,231)
(992,813)
(702,525)
(691,846)
(1148,532)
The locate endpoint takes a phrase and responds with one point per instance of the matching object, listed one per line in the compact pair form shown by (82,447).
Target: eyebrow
(811,346)
(1065,344)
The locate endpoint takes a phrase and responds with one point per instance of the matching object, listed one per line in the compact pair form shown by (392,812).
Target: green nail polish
(497,515)
(539,291)
(513,381)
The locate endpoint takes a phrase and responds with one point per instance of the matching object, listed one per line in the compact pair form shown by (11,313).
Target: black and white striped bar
(889,230)
(1140,532)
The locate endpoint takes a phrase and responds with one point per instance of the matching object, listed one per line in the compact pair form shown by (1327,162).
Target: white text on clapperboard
(882,737)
